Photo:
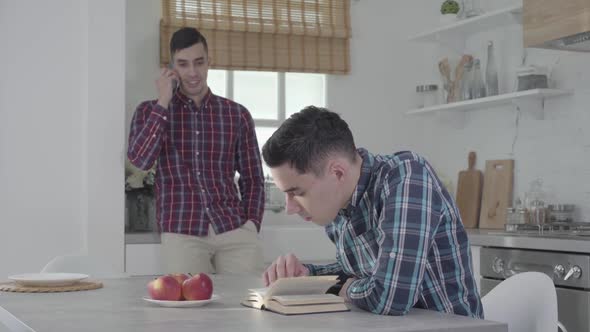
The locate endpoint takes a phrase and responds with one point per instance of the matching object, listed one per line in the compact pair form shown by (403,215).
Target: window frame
(281,99)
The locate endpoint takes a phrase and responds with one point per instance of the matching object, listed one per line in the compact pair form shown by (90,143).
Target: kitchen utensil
(497,193)
(445,70)
(469,186)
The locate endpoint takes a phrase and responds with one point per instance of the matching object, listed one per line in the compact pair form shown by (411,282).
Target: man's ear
(338,168)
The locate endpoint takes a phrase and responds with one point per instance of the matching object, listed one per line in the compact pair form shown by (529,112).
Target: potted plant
(449,10)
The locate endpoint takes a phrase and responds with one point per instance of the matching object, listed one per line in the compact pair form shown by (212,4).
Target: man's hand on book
(284,267)
(344,290)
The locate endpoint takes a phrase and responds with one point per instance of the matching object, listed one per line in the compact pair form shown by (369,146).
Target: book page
(299,286)
(259,291)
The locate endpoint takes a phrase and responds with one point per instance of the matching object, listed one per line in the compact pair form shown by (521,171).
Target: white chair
(12,323)
(69,264)
(527,302)
(81,263)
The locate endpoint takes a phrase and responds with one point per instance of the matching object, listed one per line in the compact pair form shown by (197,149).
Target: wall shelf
(494,101)
(458,31)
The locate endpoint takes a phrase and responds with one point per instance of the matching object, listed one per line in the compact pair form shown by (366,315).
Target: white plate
(48,279)
(181,304)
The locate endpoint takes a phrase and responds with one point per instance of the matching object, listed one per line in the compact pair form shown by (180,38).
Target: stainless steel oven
(570,273)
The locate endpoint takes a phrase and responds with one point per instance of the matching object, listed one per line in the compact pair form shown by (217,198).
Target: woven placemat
(79,286)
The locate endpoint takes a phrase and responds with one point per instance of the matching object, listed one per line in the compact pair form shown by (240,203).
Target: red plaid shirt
(198,151)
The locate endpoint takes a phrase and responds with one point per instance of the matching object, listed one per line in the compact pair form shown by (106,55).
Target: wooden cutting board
(497,193)
(469,186)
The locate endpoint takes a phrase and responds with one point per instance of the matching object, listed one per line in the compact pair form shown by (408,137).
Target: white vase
(448,18)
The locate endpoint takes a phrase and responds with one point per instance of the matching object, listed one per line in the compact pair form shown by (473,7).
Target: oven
(570,273)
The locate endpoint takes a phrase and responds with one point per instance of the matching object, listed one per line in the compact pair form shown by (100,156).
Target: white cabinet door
(143,259)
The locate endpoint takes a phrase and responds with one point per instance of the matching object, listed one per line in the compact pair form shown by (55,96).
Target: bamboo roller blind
(268,35)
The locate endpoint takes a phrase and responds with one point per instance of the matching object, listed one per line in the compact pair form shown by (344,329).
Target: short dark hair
(307,138)
(185,38)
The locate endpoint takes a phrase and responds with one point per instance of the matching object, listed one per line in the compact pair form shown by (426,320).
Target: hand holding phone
(166,85)
(174,80)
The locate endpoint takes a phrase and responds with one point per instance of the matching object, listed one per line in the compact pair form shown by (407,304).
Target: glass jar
(426,95)
(561,212)
(537,213)
(516,216)
(532,77)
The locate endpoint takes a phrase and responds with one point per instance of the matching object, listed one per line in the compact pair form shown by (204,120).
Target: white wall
(41,146)
(142,53)
(60,94)
(105,134)
(386,68)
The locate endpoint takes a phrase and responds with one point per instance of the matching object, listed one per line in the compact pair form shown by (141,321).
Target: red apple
(165,288)
(199,287)
(180,277)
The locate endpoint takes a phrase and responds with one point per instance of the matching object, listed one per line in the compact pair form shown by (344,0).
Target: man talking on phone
(199,141)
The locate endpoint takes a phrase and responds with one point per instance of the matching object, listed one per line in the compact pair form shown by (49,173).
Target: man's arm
(149,123)
(145,136)
(407,224)
(249,164)
(322,270)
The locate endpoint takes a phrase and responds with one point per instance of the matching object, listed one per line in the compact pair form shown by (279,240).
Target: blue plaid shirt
(402,237)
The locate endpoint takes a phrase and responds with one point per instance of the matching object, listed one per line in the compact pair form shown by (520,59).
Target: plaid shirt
(198,151)
(402,237)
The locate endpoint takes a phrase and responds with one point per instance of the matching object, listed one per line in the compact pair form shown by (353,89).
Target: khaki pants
(235,252)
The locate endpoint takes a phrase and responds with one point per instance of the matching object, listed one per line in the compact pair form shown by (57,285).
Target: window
(310,36)
(270,97)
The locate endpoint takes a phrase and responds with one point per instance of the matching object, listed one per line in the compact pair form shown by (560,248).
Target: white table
(119,307)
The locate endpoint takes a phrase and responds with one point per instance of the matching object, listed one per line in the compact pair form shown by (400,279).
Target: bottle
(467,9)
(466,81)
(491,72)
(477,85)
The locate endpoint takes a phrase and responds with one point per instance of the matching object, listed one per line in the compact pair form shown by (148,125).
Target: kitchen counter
(119,307)
(142,238)
(532,240)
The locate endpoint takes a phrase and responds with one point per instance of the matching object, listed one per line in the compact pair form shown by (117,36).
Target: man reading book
(398,233)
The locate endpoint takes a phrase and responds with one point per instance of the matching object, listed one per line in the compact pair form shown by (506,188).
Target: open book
(297,295)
